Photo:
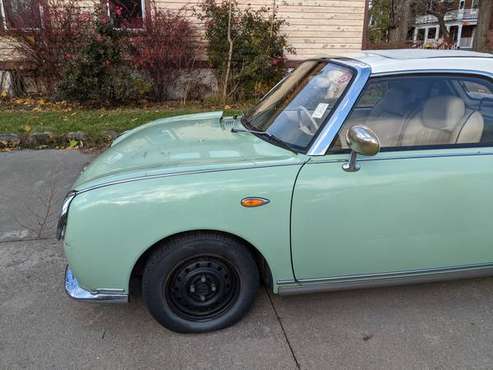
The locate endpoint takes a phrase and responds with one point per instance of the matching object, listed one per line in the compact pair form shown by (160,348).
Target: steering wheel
(301,109)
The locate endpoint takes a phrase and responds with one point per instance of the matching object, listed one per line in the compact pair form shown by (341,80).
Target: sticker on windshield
(320,111)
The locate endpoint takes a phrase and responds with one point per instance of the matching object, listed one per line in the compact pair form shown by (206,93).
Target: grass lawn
(22,120)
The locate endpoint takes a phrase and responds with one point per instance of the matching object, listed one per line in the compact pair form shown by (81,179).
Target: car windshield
(295,109)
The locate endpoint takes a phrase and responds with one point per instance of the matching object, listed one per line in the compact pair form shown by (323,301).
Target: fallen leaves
(36,104)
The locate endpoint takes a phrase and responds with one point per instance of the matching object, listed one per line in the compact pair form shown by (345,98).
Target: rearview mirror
(362,141)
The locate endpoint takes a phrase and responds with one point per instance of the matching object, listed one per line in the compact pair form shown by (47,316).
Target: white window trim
(3,15)
(142,2)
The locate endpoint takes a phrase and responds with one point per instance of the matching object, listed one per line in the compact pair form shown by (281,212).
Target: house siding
(314,27)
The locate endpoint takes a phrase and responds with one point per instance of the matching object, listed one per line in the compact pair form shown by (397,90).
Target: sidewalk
(444,325)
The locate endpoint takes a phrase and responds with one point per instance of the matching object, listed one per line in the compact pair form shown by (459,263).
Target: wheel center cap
(203,289)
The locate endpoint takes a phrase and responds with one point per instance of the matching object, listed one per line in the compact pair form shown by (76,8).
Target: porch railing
(455,15)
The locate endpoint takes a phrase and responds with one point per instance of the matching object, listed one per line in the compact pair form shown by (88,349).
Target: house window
(127,13)
(432,32)
(20,14)
(462,4)
(475,4)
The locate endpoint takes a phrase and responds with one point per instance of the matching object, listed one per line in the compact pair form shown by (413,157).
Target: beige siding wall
(7,50)
(315,27)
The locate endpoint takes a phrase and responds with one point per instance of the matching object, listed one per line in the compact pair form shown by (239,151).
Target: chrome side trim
(410,156)
(331,128)
(182,173)
(74,291)
(387,279)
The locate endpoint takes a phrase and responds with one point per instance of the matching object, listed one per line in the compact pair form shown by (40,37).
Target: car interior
(424,111)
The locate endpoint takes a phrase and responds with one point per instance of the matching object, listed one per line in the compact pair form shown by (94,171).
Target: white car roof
(400,60)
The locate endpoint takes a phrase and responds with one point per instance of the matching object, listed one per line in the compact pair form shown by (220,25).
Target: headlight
(62,221)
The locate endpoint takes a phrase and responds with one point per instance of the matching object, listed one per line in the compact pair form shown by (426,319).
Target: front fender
(109,228)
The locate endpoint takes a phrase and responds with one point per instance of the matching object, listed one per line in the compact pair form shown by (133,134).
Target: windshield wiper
(269,135)
(245,122)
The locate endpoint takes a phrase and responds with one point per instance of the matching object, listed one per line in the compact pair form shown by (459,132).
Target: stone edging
(42,140)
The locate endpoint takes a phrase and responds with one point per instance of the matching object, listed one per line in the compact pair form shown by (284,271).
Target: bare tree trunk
(443,28)
(273,17)
(483,27)
(230,53)
(401,17)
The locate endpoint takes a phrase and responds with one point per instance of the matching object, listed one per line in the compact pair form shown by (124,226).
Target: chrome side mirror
(362,141)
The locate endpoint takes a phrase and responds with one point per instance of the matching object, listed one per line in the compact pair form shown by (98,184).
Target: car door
(422,204)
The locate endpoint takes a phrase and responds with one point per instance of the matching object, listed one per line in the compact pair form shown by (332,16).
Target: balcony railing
(455,15)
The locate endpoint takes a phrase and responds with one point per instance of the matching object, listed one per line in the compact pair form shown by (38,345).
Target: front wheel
(200,282)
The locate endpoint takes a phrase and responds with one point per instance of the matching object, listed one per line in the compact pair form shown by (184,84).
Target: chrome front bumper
(74,290)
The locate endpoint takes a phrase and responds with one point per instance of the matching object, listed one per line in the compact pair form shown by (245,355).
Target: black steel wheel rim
(202,288)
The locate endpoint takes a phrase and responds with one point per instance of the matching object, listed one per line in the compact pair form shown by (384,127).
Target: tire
(200,282)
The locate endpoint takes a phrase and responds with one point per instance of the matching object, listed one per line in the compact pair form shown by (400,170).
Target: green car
(369,170)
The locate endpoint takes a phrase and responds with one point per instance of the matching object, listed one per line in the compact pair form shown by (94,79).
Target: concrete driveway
(439,326)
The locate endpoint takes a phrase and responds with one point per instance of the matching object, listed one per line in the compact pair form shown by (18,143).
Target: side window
(424,111)
(476,90)
(373,94)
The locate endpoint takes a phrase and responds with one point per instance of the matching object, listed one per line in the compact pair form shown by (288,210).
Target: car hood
(182,144)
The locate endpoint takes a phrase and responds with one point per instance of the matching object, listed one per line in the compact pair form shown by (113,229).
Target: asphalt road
(433,326)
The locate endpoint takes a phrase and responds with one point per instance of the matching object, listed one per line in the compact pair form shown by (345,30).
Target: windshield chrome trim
(325,137)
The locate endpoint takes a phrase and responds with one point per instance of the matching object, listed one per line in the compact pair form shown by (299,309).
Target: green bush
(259,46)
(99,73)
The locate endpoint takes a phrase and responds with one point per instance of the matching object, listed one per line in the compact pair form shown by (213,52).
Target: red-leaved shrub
(165,49)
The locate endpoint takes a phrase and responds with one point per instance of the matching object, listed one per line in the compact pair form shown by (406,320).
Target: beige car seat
(443,120)
(386,119)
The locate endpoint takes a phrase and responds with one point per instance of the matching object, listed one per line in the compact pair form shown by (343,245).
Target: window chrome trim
(325,137)
(363,74)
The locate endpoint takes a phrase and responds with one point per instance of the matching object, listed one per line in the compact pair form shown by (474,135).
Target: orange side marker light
(250,202)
